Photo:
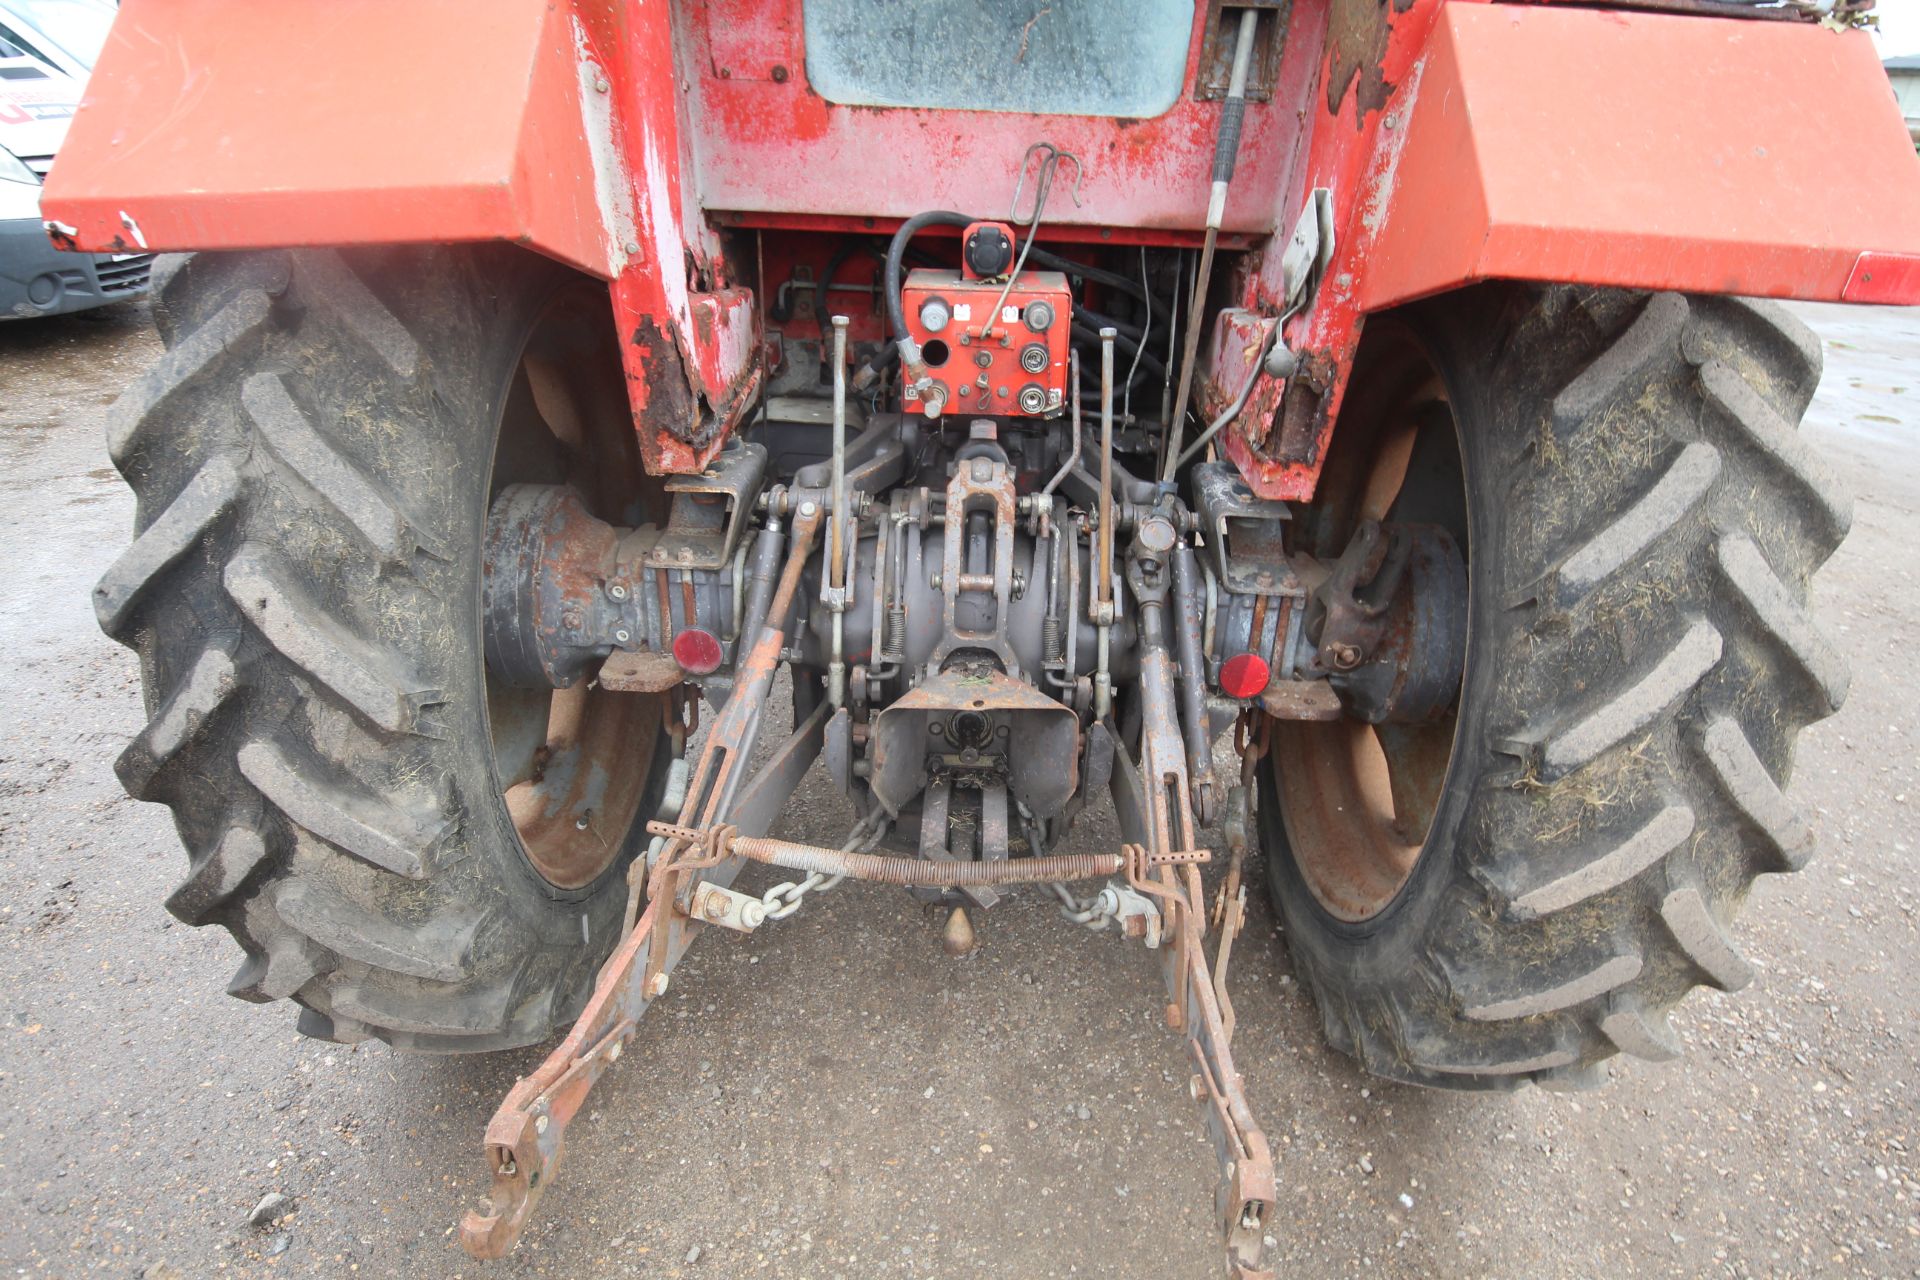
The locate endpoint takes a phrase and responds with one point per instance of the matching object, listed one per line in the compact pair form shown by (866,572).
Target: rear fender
(1464,142)
(215,125)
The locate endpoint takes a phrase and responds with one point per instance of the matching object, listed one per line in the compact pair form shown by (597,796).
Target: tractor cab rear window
(1053,57)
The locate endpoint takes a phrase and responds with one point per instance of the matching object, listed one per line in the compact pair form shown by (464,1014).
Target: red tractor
(1049,390)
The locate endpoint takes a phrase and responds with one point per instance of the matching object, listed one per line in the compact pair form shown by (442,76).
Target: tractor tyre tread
(304,456)
(1646,660)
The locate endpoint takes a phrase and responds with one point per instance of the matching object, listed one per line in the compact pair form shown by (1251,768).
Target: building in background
(1905,74)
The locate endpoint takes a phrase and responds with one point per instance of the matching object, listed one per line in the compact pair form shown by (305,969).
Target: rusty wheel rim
(573,765)
(1358,800)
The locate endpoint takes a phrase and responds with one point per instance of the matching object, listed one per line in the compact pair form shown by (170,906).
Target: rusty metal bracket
(1347,617)
(1245,1197)
(716,904)
(1141,861)
(710,509)
(526,1137)
(1230,903)
(1152,800)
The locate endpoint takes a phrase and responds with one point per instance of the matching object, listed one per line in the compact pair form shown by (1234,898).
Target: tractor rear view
(1047,392)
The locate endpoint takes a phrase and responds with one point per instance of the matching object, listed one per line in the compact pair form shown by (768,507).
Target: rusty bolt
(570,620)
(1196,1087)
(779,74)
(1134,927)
(656,986)
(1344,656)
(716,906)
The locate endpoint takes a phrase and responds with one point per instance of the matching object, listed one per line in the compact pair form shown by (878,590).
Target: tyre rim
(572,764)
(1358,800)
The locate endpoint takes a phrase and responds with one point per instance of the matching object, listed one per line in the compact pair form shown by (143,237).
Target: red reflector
(1244,676)
(1884,278)
(697,652)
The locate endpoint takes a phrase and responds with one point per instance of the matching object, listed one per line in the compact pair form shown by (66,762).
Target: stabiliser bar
(897,871)
(525,1138)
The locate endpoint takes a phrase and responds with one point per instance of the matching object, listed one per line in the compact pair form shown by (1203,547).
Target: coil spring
(895,648)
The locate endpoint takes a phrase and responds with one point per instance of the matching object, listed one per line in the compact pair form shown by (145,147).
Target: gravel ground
(834,1097)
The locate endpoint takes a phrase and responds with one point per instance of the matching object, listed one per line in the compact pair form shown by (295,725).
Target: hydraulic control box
(987,353)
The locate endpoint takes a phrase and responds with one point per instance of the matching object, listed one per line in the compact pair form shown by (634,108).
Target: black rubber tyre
(1641,523)
(313,459)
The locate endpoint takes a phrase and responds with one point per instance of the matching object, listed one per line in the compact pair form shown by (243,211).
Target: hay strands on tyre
(686,888)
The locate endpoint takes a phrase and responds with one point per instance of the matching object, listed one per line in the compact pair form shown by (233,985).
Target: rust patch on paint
(1357,40)
(664,403)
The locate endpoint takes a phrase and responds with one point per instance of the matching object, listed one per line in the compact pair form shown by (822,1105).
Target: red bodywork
(1594,147)
(635,139)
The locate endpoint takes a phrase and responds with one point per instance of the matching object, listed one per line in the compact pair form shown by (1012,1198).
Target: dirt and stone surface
(834,1097)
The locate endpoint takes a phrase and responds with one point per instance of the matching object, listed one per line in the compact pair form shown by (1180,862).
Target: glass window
(1061,57)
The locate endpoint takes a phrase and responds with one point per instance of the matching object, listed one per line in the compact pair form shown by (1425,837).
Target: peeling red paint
(767,146)
(621,136)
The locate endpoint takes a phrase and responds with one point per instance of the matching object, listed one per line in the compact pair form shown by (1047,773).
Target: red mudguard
(1542,142)
(1459,141)
(223,124)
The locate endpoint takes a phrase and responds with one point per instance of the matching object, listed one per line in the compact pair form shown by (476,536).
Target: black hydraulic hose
(845,250)
(1082,333)
(1139,377)
(1098,320)
(1193,672)
(896,251)
(875,367)
(1098,275)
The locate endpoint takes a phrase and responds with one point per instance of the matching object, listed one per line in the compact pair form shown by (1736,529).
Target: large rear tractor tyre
(1526,885)
(400,846)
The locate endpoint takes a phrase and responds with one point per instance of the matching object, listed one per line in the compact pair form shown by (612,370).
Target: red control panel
(985,355)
